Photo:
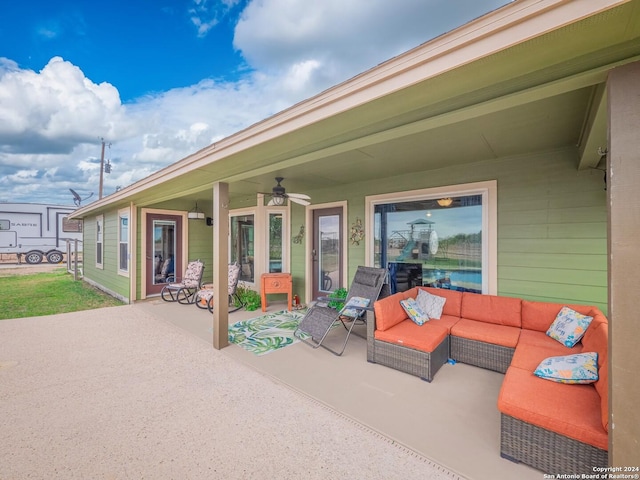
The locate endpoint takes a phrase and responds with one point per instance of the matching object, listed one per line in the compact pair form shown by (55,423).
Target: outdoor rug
(267,333)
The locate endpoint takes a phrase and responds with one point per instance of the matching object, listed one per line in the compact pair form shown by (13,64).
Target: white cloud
(55,109)
(51,121)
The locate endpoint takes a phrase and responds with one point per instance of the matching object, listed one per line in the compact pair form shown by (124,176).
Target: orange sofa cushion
(529,355)
(570,410)
(424,337)
(454,299)
(486,332)
(541,339)
(389,312)
(540,315)
(491,309)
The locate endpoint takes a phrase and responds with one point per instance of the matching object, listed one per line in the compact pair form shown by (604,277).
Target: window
(99,240)
(74,226)
(242,245)
(438,237)
(123,241)
(276,244)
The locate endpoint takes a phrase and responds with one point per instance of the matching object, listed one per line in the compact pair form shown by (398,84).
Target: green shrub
(340,293)
(250,299)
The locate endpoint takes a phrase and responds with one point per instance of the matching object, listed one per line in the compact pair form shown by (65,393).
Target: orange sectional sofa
(554,427)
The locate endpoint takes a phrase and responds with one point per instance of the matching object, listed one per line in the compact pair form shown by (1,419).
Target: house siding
(106,278)
(552,223)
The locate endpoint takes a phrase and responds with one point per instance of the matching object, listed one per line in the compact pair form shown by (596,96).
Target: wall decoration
(357,232)
(298,238)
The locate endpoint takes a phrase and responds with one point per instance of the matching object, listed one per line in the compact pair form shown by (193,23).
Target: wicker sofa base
(408,360)
(546,450)
(481,354)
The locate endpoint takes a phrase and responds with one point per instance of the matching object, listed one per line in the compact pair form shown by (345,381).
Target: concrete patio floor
(138,392)
(454,420)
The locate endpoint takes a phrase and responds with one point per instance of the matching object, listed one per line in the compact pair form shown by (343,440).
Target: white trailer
(37,230)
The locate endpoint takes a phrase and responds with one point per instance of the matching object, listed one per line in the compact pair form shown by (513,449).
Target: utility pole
(101,170)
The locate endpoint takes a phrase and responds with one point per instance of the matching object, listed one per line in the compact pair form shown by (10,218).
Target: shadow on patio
(453,421)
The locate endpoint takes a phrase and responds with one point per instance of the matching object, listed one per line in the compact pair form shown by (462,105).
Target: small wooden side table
(275,283)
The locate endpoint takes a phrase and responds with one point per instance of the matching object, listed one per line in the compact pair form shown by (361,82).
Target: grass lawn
(39,294)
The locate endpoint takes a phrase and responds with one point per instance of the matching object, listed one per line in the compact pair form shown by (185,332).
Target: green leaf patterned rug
(267,333)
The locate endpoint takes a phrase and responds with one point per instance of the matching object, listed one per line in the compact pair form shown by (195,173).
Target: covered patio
(537,102)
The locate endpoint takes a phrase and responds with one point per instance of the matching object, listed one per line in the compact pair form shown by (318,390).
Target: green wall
(552,223)
(106,278)
(552,227)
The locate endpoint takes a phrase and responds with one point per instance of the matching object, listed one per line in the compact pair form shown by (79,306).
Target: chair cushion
(355,306)
(492,309)
(540,315)
(570,410)
(425,338)
(569,326)
(533,347)
(414,311)
(430,304)
(579,368)
(486,332)
(454,299)
(389,312)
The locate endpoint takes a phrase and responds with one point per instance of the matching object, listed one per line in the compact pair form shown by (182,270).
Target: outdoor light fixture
(195,213)
(445,202)
(277,200)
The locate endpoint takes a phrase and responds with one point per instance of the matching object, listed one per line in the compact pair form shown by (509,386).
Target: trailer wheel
(54,257)
(33,257)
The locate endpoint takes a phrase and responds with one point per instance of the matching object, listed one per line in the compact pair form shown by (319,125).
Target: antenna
(77,200)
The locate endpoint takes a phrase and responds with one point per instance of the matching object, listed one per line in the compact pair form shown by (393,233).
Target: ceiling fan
(278,196)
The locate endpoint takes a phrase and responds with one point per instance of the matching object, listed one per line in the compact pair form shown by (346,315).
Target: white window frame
(489,192)
(100,241)
(122,214)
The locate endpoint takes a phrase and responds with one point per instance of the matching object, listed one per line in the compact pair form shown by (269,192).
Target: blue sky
(160,79)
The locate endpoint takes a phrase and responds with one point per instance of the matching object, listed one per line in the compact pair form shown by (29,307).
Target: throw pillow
(430,304)
(569,326)
(579,368)
(355,307)
(414,311)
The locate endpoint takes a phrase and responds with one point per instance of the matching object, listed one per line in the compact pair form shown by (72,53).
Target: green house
(501,157)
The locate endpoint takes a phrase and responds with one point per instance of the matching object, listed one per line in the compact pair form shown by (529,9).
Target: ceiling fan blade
(299,195)
(299,201)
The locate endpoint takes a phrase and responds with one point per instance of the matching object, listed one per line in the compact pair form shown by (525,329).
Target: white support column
(220,265)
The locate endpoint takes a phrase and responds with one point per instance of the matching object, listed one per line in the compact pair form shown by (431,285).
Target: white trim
(489,192)
(308,244)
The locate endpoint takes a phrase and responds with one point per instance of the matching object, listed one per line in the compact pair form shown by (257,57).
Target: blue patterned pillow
(432,305)
(355,307)
(569,326)
(414,311)
(579,368)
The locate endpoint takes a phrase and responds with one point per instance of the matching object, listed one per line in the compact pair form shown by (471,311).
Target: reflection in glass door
(242,244)
(163,246)
(164,251)
(327,251)
(276,256)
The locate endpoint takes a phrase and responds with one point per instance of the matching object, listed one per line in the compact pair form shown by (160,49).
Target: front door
(327,251)
(163,244)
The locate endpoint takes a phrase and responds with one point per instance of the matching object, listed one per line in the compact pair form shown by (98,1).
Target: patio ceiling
(418,112)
